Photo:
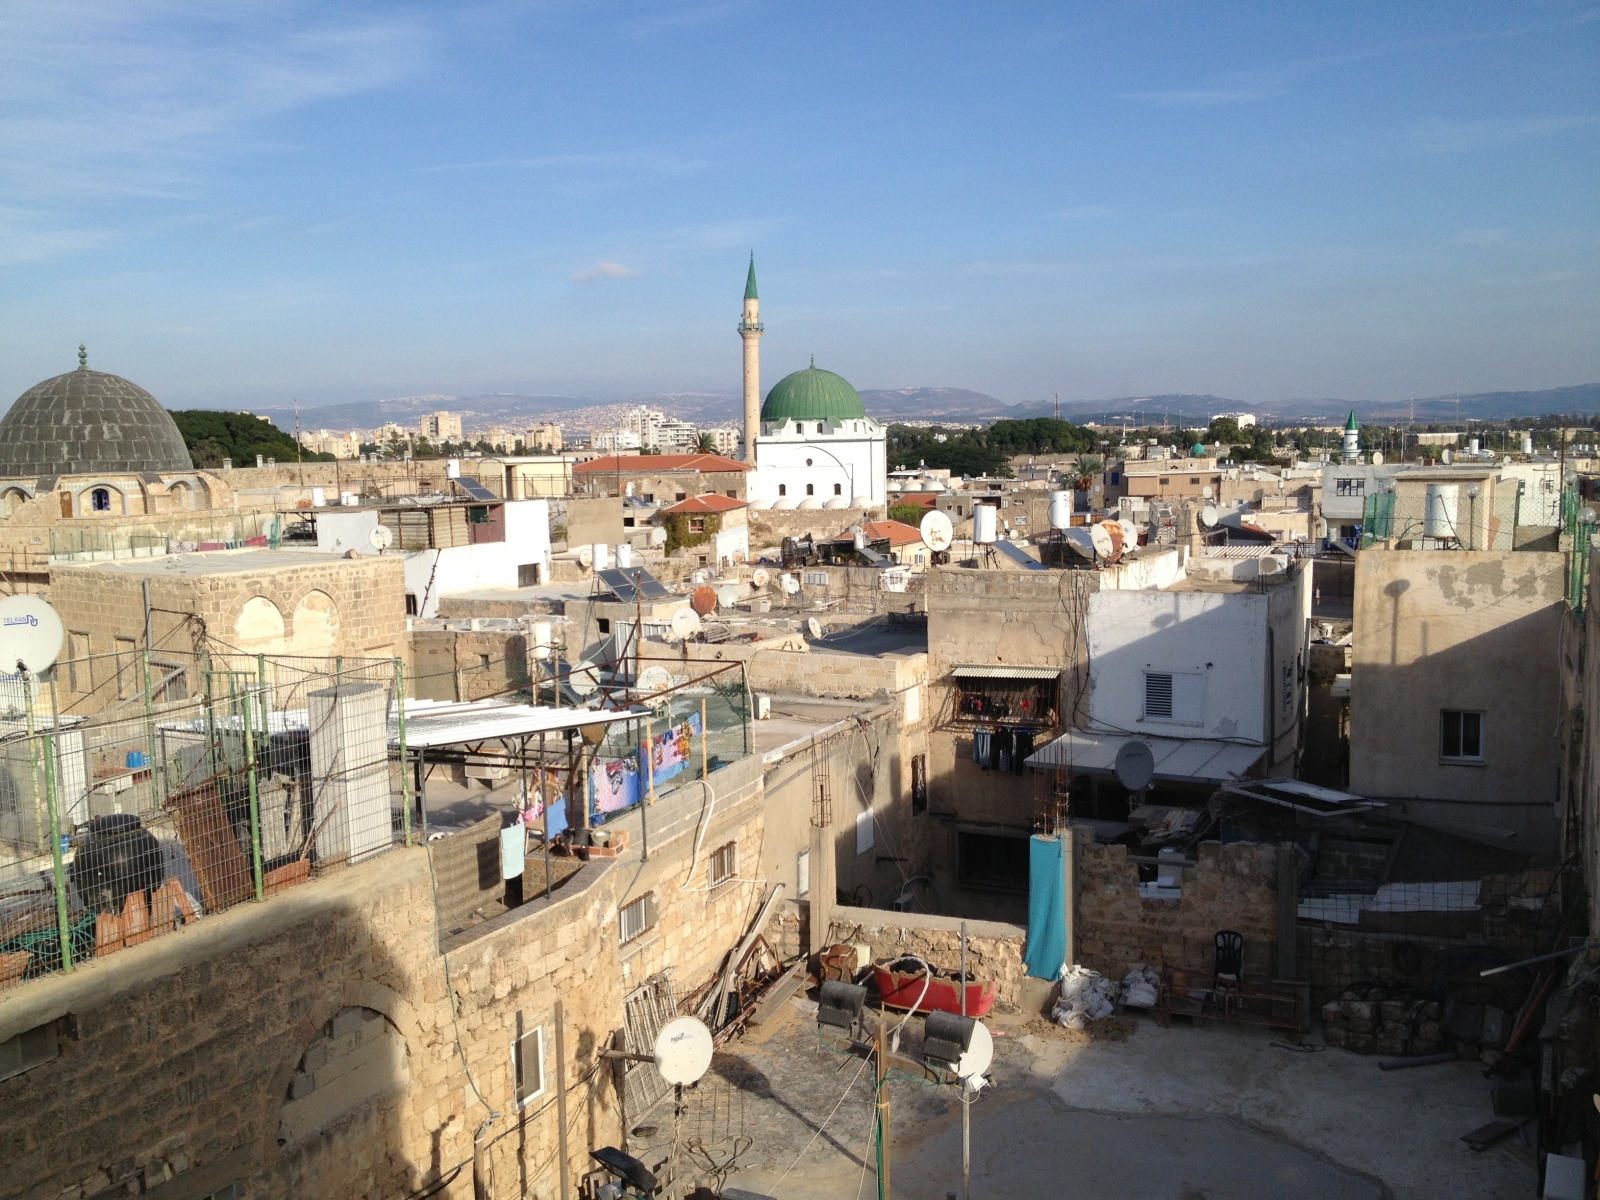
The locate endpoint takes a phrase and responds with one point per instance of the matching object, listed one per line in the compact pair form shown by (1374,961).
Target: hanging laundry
(1021,750)
(1000,750)
(980,748)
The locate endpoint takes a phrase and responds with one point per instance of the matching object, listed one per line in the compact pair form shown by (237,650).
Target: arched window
(810,491)
(783,489)
(837,491)
(100,500)
(819,426)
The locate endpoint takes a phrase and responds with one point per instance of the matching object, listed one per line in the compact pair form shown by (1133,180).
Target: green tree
(707,444)
(214,436)
(1224,431)
(908,514)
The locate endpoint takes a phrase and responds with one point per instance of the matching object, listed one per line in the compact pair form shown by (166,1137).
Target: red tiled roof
(920,499)
(898,533)
(639,464)
(708,503)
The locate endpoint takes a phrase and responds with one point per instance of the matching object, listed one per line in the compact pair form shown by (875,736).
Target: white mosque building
(814,445)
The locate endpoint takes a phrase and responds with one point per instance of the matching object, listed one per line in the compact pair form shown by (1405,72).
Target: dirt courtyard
(1188,1113)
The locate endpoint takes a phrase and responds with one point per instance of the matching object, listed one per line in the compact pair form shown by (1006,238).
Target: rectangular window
(1163,481)
(636,919)
(527,1064)
(1461,735)
(649,497)
(483,662)
(1194,479)
(411,604)
(683,495)
(528,575)
(27,1050)
(724,865)
(478,514)
(919,783)
(603,624)
(127,667)
(1349,487)
(1178,697)
(864,832)
(627,522)
(997,862)
(817,578)
(697,524)
(802,873)
(732,495)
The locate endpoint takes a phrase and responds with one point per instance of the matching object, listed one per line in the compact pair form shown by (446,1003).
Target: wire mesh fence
(134,821)
(1445,516)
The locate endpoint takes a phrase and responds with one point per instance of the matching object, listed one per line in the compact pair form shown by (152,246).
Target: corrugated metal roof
(975,671)
(1178,760)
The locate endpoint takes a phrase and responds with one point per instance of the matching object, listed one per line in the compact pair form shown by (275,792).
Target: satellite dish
(380,538)
(1377,458)
(686,622)
(728,595)
(1136,765)
(582,678)
(30,635)
(585,557)
(1206,491)
(791,585)
(1208,515)
(1100,538)
(759,577)
(937,532)
(683,1050)
(658,536)
(1130,534)
(654,679)
(979,1054)
(814,627)
(704,600)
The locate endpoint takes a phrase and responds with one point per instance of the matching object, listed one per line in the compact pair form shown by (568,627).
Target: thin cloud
(605,270)
(1460,137)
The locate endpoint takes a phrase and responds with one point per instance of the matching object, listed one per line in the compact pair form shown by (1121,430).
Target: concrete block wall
(1232,887)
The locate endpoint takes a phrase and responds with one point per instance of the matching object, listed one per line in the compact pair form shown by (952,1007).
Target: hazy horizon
(236,207)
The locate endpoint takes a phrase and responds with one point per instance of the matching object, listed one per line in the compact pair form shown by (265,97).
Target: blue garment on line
(1046,950)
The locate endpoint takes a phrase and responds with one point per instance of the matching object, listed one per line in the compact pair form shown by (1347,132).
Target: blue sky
(238,204)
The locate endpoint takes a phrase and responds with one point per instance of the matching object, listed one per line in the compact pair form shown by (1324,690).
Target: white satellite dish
(1081,539)
(582,678)
(1100,536)
(791,585)
(585,557)
(1208,515)
(1136,765)
(380,538)
(1206,491)
(814,627)
(658,536)
(683,1050)
(759,577)
(686,622)
(1377,458)
(979,1054)
(728,595)
(30,635)
(1130,534)
(653,679)
(937,532)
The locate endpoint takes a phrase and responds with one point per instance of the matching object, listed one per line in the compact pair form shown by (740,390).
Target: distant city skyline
(240,207)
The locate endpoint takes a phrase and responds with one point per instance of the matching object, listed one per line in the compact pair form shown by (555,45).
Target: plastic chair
(1229,969)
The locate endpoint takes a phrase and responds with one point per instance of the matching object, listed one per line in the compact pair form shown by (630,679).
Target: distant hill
(932,403)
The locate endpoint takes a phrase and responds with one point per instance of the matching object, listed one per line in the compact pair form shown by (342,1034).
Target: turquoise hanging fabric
(1047,920)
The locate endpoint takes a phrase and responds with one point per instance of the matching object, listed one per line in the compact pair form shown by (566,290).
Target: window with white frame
(1460,735)
(724,865)
(527,1065)
(802,873)
(1350,487)
(636,919)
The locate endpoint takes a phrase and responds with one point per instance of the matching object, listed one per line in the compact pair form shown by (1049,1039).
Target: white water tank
(452,468)
(1439,513)
(1527,443)
(983,524)
(1472,445)
(1060,510)
(1447,456)
(600,556)
(624,554)
(319,498)
(541,639)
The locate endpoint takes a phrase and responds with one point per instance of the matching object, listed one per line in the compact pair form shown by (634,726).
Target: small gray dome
(89,423)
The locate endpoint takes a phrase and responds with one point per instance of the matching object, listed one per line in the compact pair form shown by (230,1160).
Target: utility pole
(881,1070)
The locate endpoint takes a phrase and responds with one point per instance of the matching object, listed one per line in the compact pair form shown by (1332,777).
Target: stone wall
(319,1045)
(450,665)
(1231,887)
(994,949)
(807,672)
(768,527)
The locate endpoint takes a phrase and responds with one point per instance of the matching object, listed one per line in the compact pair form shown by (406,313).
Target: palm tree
(707,443)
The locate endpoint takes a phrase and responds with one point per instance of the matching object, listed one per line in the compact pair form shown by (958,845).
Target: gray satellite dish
(1206,491)
(1208,515)
(582,678)
(1136,765)
(379,538)
(30,635)
(814,627)
(683,1050)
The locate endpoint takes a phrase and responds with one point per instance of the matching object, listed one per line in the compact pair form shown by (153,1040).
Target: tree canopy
(214,436)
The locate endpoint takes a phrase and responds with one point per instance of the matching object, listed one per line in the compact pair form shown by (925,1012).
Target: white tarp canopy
(1178,760)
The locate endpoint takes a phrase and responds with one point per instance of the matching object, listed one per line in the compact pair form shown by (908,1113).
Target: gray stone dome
(89,423)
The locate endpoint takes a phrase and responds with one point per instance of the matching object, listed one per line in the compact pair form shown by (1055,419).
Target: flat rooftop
(213,562)
(795,719)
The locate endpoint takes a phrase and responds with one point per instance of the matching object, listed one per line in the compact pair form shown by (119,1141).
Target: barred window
(724,865)
(637,918)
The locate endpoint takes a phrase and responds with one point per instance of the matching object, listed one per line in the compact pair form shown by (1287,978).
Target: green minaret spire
(750,280)
(1351,423)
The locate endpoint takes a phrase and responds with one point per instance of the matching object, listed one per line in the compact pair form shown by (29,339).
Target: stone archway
(356,1057)
(316,624)
(259,626)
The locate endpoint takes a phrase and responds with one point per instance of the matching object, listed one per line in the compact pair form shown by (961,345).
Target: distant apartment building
(724,441)
(440,427)
(340,445)
(610,441)
(543,438)
(1242,419)
(654,428)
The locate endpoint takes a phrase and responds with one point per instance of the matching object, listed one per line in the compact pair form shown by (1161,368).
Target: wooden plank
(207,835)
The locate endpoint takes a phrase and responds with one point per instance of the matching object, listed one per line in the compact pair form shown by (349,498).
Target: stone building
(660,479)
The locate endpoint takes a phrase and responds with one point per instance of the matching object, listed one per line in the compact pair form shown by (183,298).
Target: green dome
(812,395)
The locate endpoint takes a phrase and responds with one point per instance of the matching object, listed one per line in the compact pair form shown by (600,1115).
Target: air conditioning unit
(763,707)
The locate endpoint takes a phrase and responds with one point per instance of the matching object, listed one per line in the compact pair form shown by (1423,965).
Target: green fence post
(405,773)
(255,797)
(63,923)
